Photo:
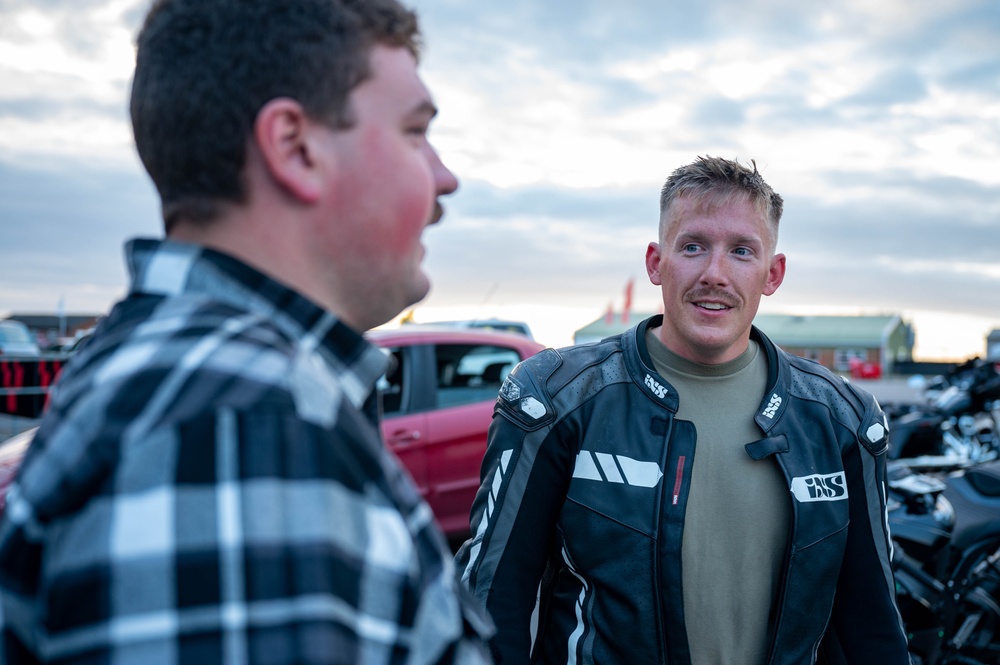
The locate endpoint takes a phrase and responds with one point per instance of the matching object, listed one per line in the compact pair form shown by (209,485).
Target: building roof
(51,321)
(827,331)
(601,328)
(786,330)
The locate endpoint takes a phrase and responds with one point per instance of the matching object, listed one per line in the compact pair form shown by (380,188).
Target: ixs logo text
(772,407)
(820,487)
(657,389)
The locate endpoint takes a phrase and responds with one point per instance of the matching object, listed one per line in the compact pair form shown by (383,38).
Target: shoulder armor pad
(522,397)
(874,432)
(544,363)
(874,429)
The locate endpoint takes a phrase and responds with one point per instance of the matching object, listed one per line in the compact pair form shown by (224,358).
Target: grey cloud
(944,186)
(50,6)
(979,74)
(46,109)
(615,93)
(574,244)
(588,31)
(74,26)
(68,226)
(897,86)
(596,206)
(718,112)
(582,41)
(533,238)
(785,106)
(790,112)
(133,16)
(955,46)
(882,229)
(858,283)
(479,43)
(523,261)
(973,24)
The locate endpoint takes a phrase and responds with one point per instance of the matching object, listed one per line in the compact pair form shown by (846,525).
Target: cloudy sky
(878,121)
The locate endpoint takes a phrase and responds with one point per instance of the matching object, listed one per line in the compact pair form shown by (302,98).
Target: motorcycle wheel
(972,609)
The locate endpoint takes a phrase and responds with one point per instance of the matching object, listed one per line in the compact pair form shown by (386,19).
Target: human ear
(282,132)
(653,263)
(775,275)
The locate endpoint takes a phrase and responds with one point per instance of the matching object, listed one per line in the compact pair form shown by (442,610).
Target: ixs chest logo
(657,389)
(820,487)
(772,406)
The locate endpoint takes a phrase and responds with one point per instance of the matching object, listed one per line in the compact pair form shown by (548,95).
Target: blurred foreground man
(686,492)
(209,485)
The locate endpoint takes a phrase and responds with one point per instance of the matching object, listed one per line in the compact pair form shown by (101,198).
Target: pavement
(891,390)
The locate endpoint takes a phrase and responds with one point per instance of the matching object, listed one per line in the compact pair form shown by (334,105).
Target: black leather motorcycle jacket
(585,482)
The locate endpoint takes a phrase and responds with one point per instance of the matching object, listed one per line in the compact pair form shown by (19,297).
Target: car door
(406,392)
(468,378)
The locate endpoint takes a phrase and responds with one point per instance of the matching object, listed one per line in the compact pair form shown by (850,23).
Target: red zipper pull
(678,478)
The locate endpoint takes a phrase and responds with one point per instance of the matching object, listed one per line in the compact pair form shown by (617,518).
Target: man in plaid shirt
(209,484)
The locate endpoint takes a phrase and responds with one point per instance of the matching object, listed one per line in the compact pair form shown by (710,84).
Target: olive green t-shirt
(738,512)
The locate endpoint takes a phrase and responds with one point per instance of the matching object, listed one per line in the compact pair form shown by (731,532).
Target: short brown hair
(205,68)
(716,180)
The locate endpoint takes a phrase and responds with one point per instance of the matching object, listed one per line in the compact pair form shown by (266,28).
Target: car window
(468,373)
(390,385)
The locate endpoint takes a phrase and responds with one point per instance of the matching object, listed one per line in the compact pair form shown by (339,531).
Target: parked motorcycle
(960,422)
(946,558)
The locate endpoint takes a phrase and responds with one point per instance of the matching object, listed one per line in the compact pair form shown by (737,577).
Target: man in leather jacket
(687,492)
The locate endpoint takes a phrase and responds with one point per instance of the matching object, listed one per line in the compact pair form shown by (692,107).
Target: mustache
(437,214)
(715,295)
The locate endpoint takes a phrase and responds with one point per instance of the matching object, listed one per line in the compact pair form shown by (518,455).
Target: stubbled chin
(420,286)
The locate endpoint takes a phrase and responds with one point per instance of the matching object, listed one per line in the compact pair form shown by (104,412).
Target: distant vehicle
(79,340)
(437,401)
(17,340)
(499,325)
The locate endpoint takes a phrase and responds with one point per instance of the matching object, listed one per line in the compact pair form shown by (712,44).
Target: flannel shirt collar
(170,268)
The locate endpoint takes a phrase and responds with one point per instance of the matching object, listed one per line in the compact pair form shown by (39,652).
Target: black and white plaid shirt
(209,486)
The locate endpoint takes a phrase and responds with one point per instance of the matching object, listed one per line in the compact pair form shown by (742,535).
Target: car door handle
(405,436)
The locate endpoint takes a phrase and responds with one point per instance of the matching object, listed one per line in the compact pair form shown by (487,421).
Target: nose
(714,273)
(445,182)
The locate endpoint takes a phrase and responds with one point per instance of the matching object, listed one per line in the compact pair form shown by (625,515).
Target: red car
(438,403)
(437,397)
